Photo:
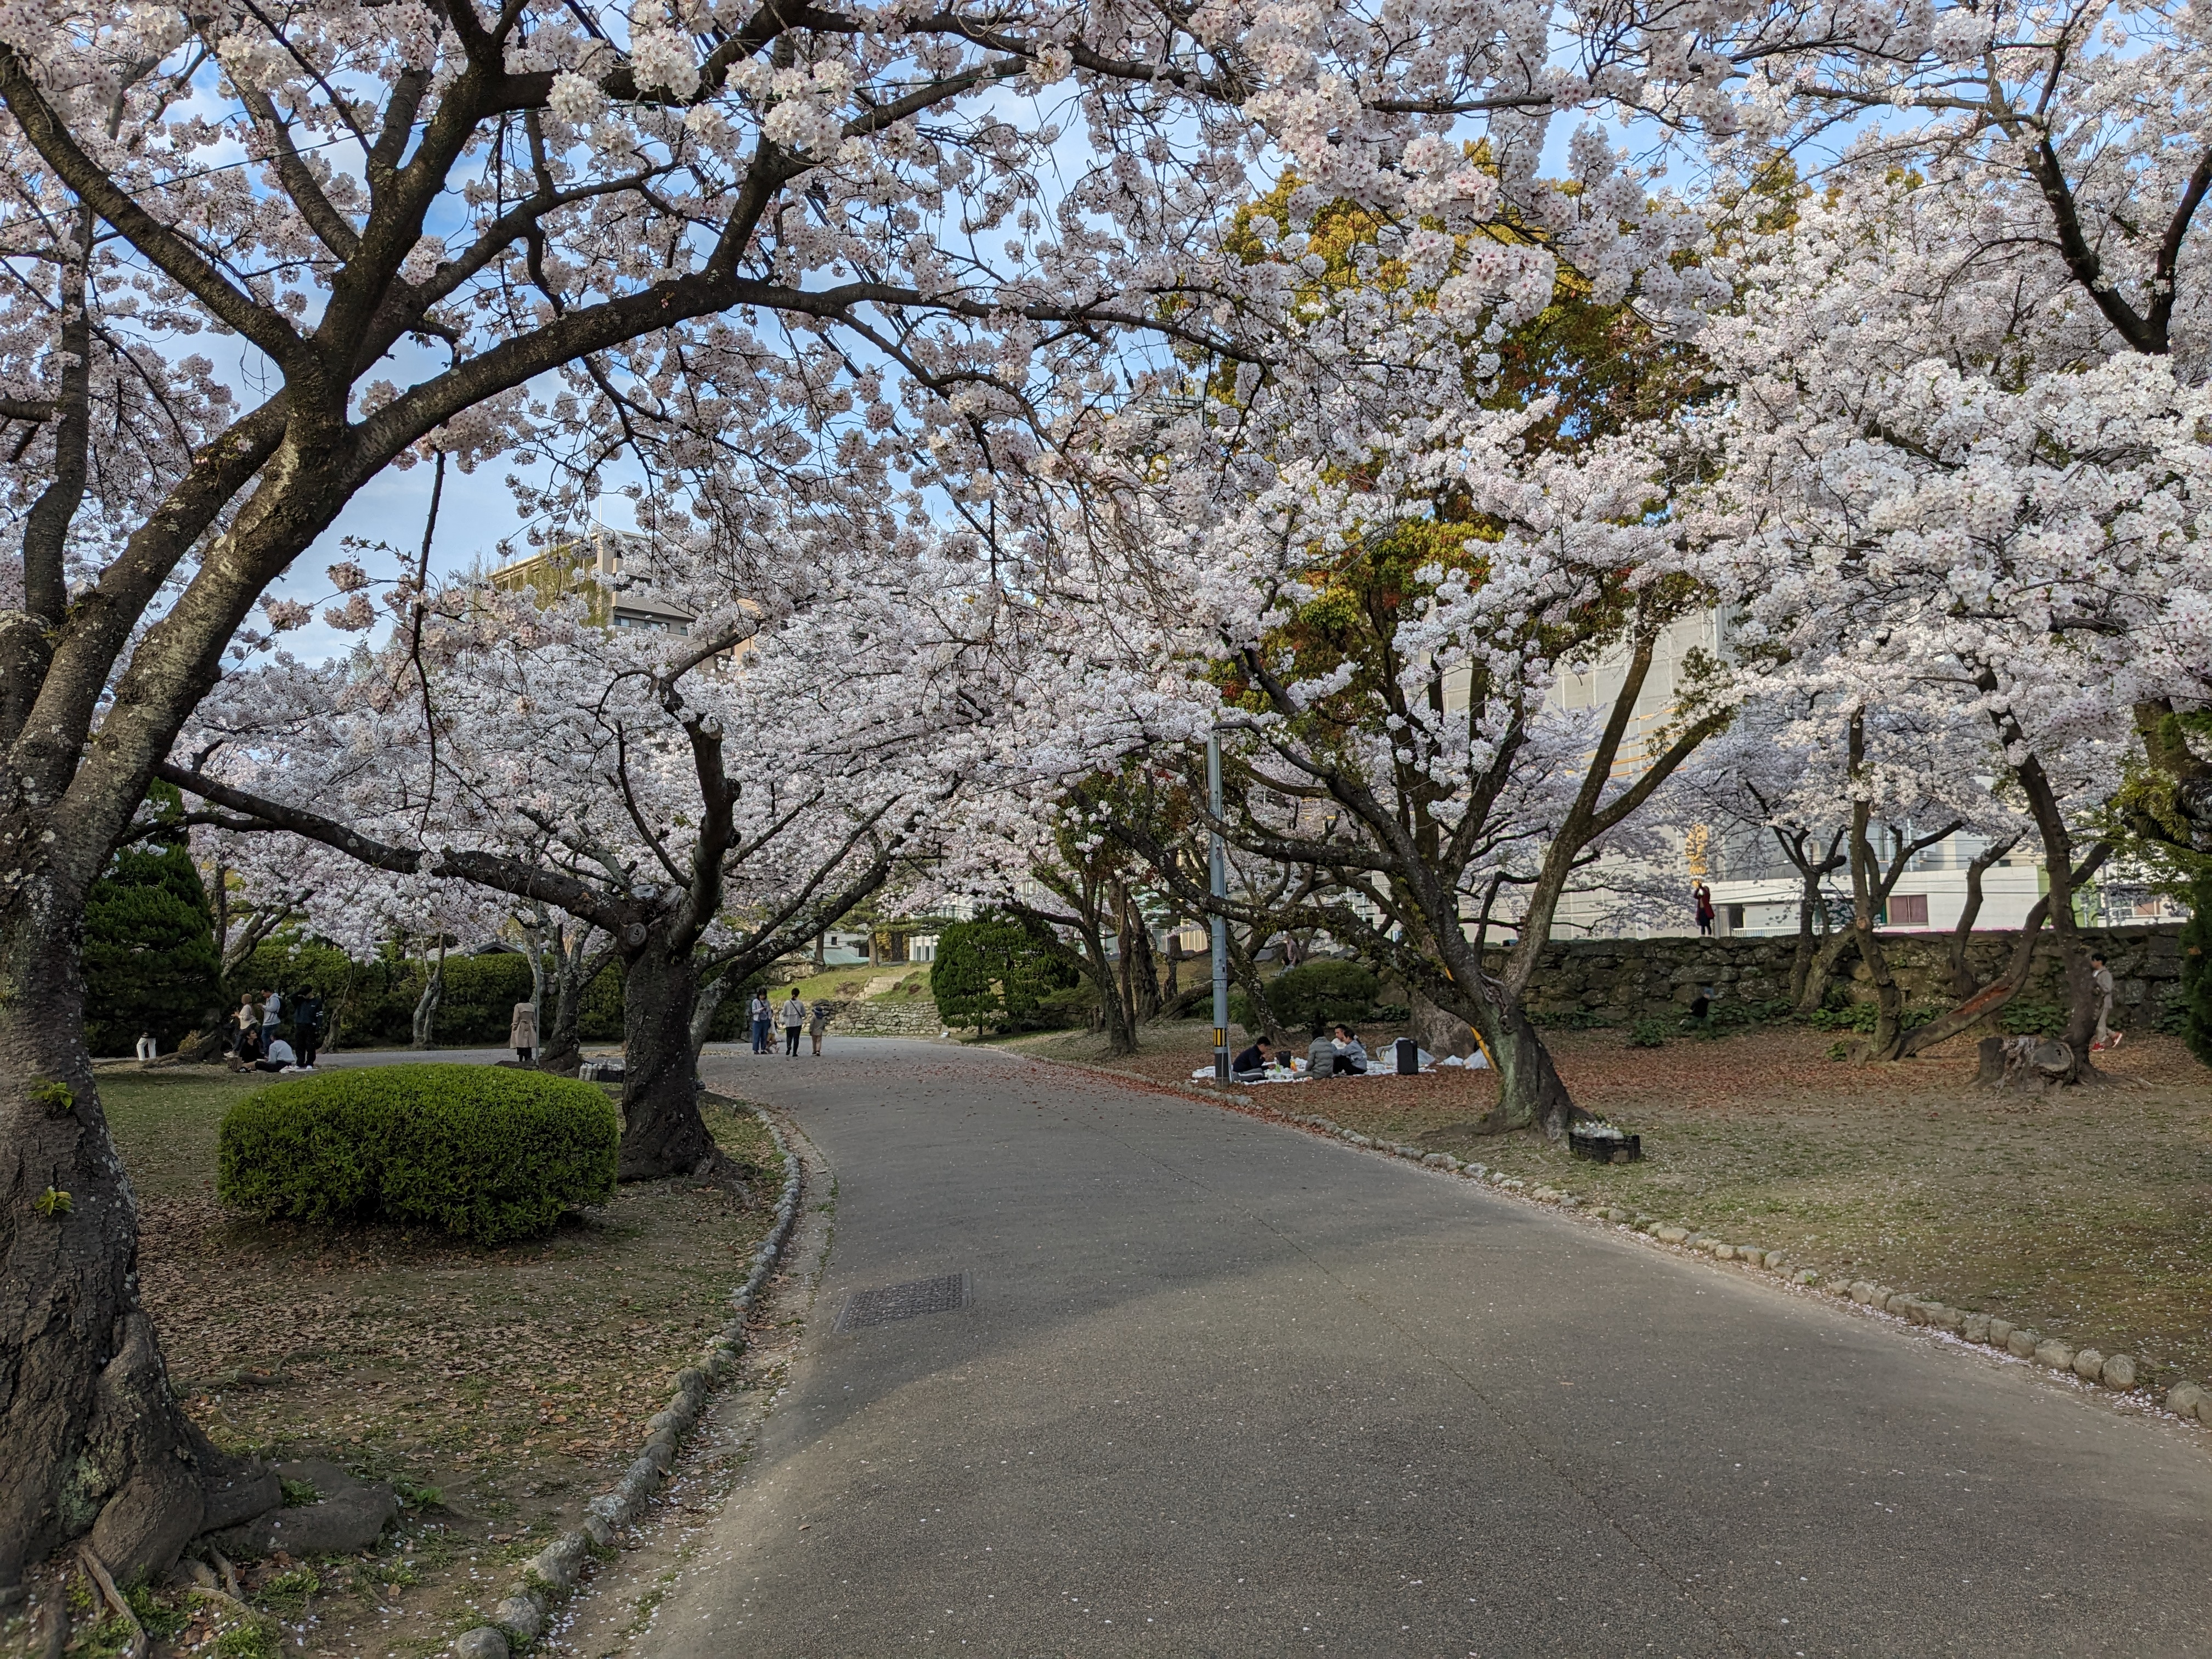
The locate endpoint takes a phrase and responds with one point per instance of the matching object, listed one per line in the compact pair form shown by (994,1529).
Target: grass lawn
(901,979)
(2087,1215)
(515,1382)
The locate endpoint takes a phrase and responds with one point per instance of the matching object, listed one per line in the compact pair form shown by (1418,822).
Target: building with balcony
(591,565)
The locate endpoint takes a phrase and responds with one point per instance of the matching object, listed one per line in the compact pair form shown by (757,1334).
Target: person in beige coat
(522,1032)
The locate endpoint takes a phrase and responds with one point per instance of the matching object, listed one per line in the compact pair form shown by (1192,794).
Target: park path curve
(1221,1388)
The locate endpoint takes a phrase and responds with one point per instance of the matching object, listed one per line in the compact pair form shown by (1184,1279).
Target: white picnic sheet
(1376,1068)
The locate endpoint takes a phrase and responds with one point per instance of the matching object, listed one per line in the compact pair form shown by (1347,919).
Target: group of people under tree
(257,1039)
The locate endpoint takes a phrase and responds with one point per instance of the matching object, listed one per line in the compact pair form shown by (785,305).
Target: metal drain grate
(911,1300)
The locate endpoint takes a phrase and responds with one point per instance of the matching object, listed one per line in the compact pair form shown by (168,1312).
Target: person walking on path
(1704,895)
(2102,977)
(272,1011)
(522,1031)
(248,1019)
(758,1013)
(819,1023)
(794,1016)
(148,1048)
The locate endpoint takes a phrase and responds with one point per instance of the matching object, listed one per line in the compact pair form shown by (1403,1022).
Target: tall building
(591,565)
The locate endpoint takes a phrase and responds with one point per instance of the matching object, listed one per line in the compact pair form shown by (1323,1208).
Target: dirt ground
(2085,1213)
(498,1388)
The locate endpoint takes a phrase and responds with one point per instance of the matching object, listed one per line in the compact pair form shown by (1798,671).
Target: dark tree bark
(573,972)
(1529,1088)
(1140,972)
(1808,983)
(567,965)
(116,1458)
(662,1130)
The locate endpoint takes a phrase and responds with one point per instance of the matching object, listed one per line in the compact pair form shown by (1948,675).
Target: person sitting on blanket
(1339,1058)
(1252,1060)
(1351,1052)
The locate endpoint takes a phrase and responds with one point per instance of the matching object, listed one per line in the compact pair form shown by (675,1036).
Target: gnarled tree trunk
(574,966)
(1530,1094)
(117,1458)
(663,1134)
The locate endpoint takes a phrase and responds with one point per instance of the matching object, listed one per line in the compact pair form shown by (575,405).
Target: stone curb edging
(520,1620)
(2187,1400)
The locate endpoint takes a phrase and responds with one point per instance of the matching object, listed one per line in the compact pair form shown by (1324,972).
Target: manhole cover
(908,1301)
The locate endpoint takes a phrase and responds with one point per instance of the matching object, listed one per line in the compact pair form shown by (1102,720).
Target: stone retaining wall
(886,1016)
(1619,979)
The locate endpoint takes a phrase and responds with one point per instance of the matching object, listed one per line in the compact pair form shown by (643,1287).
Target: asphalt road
(1225,1388)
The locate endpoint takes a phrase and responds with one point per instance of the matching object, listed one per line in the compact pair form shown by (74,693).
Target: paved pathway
(1225,1388)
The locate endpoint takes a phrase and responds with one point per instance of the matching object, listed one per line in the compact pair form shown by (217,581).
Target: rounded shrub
(485,1152)
(1316,996)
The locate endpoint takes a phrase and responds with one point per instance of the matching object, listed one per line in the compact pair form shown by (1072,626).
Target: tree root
(97,1573)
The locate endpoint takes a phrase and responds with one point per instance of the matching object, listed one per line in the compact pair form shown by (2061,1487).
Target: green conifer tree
(994,970)
(150,960)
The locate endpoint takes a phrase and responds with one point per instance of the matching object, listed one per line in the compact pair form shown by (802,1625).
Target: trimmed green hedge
(486,1152)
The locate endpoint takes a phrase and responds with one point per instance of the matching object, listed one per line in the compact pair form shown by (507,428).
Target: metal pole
(1219,859)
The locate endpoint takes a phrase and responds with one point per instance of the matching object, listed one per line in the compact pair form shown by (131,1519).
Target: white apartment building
(1756,890)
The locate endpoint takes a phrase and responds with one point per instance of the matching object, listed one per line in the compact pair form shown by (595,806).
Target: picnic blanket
(1377,1067)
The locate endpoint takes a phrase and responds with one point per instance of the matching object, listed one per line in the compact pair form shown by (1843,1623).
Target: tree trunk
(560,1049)
(424,1032)
(705,1006)
(1115,1017)
(1143,971)
(663,1134)
(1821,973)
(537,983)
(1530,1094)
(95,1441)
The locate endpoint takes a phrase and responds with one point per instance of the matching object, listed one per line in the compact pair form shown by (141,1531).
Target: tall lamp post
(1219,858)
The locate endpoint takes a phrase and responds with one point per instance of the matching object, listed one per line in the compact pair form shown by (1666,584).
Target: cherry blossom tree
(724,244)
(2010,206)
(706,801)
(1975,501)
